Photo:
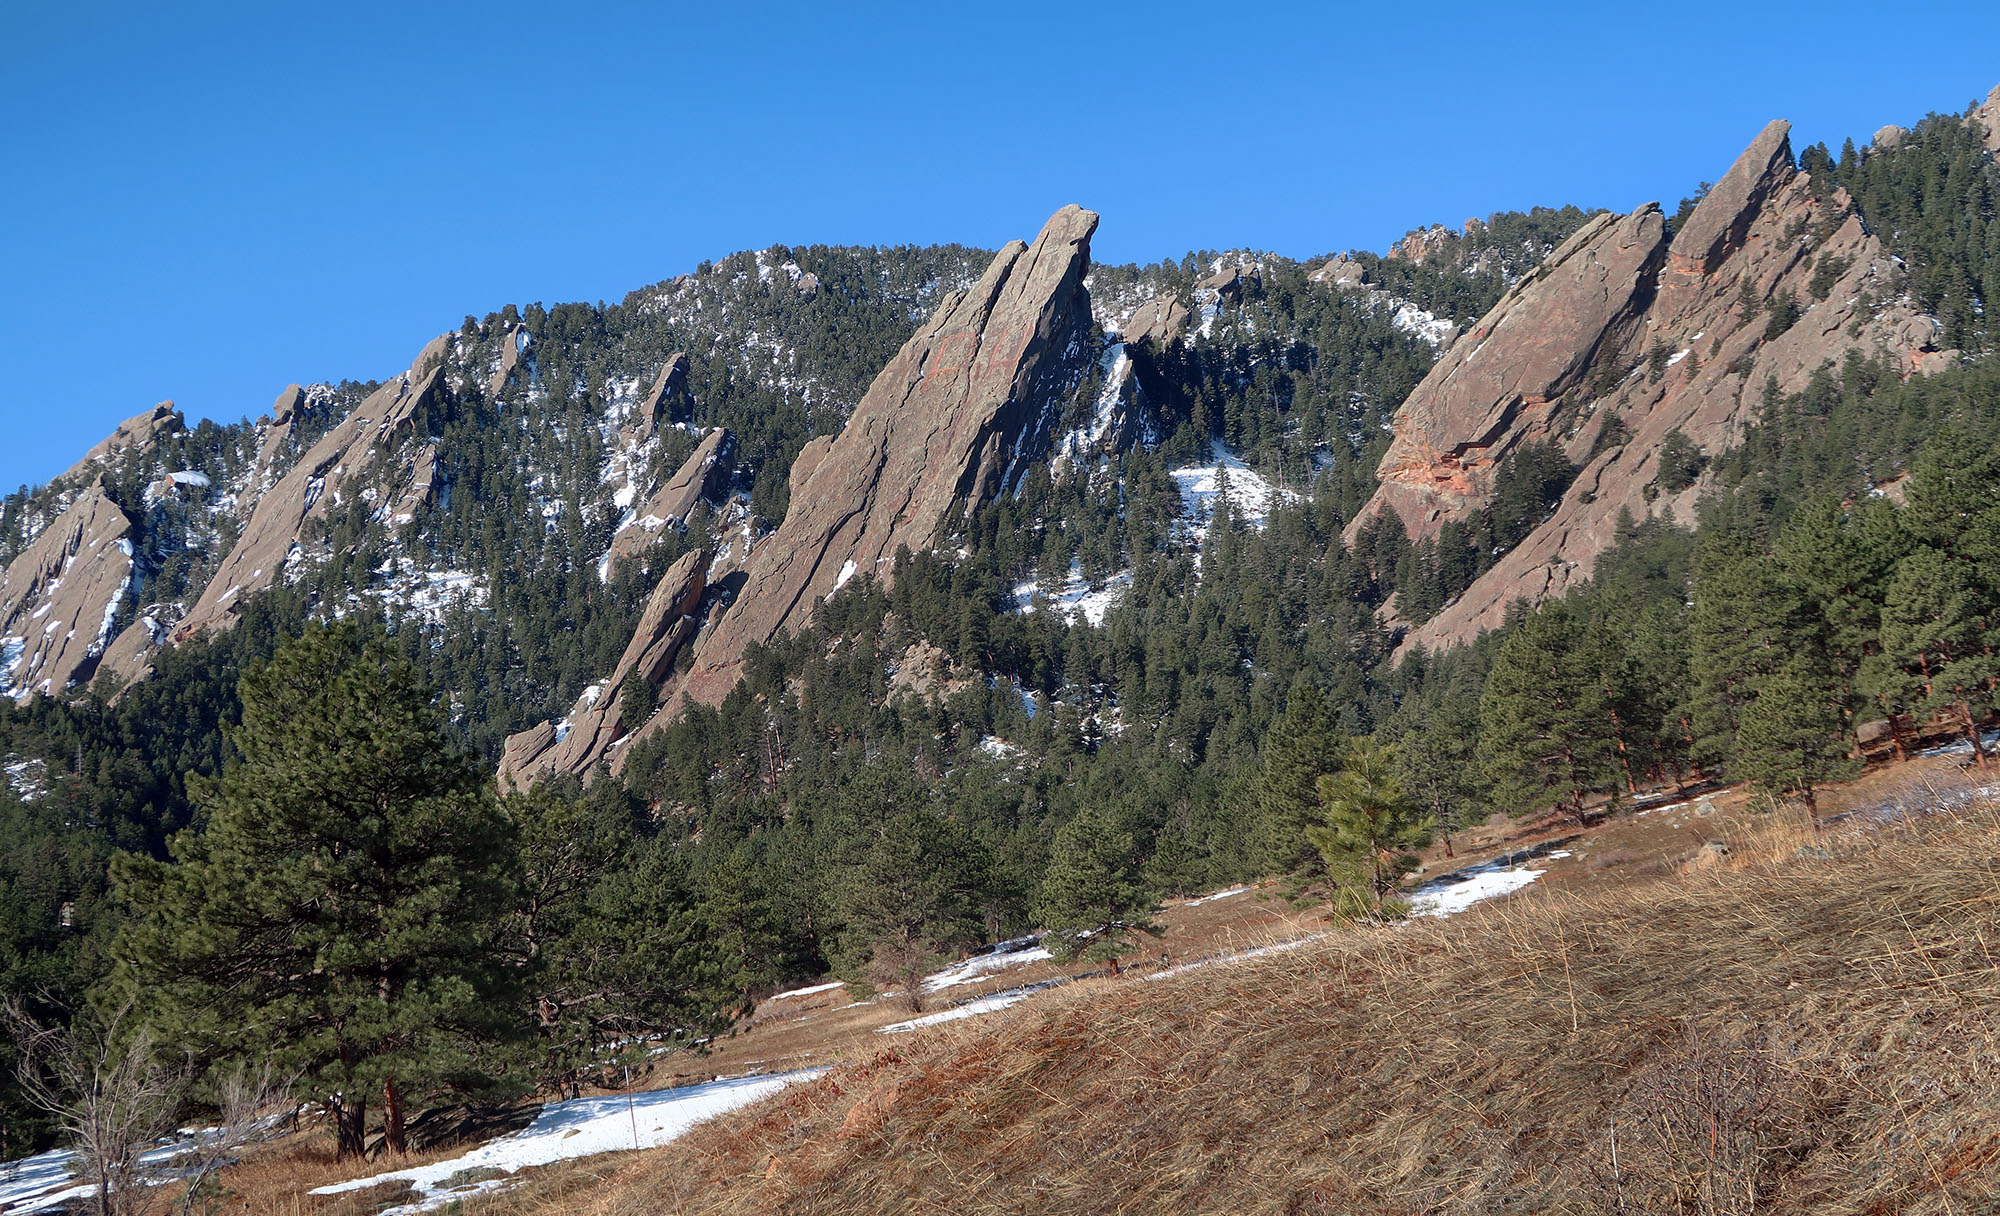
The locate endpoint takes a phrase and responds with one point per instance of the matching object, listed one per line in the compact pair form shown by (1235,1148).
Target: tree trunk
(1115,972)
(350,1127)
(1972,733)
(1812,807)
(392,1119)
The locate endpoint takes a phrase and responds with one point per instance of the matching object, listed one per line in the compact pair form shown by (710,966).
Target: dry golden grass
(1783,1033)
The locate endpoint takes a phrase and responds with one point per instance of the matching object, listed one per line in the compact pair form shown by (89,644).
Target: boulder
(958,414)
(1888,137)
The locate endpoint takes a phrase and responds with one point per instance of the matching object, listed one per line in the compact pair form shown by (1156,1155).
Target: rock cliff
(704,476)
(596,724)
(314,483)
(956,415)
(1662,332)
(58,597)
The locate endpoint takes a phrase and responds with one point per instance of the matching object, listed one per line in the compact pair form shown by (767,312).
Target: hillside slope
(1812,1032)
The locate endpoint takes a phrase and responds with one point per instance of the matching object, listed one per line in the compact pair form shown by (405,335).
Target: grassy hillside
(1812,1026)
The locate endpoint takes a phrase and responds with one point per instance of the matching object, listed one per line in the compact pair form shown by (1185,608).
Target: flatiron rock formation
(703,477)
(595,724)
(58,596)
(962,406)
(313,485)
(1661,331)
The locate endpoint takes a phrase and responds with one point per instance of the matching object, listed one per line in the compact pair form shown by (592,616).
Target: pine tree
(1545,723)
(1092,897)
(615,948)
(911,903)
(1791,738)
(1934,641)
(1302,747)
(341,915)
(1370,820)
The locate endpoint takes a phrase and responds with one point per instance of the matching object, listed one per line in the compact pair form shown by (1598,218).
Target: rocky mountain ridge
(1629,326)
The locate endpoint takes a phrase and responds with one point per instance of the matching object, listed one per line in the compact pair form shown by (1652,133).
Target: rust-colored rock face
(1496,387)
(957,409)
(313,484)
(595,724)
(703,476)
(1568,348)
(58,596)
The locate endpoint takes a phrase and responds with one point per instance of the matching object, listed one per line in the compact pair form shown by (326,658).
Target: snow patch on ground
(1237,956)
(581,1128)
(1209,899)
(1457,892)
(1202,485)
(971,1009)
(797,992)
(1016,953)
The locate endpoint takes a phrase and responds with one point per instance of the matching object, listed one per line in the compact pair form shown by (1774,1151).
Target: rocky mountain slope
(548,500)
(1630,333)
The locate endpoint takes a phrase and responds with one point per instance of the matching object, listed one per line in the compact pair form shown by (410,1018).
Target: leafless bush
(111,1097)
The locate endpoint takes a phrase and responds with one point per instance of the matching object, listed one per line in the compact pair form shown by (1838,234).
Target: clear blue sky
(205,201)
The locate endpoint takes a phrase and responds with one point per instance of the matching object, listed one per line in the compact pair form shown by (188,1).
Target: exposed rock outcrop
(575,745)
(136,431)
(703,476)
(510,358)
(670,393)
(1618,322)
(58,597)
(313,484)
(957,413)
(1341,271)
(1989,117)
(1161,321)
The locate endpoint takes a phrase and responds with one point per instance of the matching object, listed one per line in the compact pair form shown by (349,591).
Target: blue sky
(205,202)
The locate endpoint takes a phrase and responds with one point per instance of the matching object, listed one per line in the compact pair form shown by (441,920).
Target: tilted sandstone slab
(1662,342)
(313,484)
(136,431)
(961,406)
(1989,117)
(58,597)
(575,746)
(1494,389)
(670,392)
(703,476)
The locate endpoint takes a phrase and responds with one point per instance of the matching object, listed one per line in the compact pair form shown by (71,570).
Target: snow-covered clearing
(45,1182)
(1250,496)
(1078,598)
(568,1130)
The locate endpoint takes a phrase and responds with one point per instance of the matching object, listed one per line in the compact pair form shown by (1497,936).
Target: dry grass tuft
(1812,1027)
